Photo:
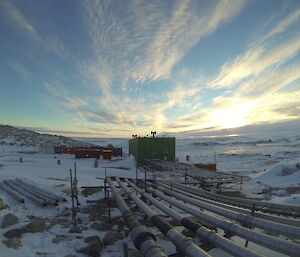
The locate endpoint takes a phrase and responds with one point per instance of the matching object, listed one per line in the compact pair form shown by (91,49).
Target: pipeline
(23,192)
(203,233)
(42,193)
(291,222)
(54,196)
(34,193)
(248,203)
(142,238)
(47,199)
(247,220)
(184,244)
(235,229)
(11,192)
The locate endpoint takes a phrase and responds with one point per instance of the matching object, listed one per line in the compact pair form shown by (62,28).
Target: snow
(271,165)
(280,175)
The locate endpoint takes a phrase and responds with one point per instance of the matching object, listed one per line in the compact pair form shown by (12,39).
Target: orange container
(107,153)
(209,166)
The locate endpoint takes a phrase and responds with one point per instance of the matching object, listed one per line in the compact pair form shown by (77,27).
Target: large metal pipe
(203,233)
(235,229)
(184,244)
(142,238)
(248,203)
(48,201)
(23,192)
(248,220)
(39,191)
(291,222)
(12,193)
(55,196)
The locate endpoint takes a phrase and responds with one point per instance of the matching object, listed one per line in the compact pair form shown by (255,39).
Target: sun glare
(232,117)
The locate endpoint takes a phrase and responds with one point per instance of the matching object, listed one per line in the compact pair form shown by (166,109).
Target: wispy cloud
(143,41)
(20,69)
(17,18)
(254,62)
(137,42)
(289,20)
(40,36)
(261,56)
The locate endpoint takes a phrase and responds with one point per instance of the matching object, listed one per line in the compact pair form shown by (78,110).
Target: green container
(149,147)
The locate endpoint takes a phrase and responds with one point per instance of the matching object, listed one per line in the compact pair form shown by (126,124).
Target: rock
(89,191)
(13,243)
(74,230)
(59,239)
(134,253)
(2,205)
(111,237)
(13,233)
(94,246)
(35,225)
(9,220)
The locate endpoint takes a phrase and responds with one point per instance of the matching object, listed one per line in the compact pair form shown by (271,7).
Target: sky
(122,67)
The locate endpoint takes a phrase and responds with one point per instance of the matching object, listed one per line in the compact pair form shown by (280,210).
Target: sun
(233,117)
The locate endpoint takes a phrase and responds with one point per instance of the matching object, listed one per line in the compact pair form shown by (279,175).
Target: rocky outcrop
(8,220)
(111,237)
(93,248)
(35,225)
(13,243)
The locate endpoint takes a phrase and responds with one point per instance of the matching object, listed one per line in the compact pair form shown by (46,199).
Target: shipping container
(107,153)
(208,166)
(87,153)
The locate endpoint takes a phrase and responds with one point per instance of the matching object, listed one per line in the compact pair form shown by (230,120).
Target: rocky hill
(23,137)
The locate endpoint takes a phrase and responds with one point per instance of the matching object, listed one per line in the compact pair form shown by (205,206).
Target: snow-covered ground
(271,162)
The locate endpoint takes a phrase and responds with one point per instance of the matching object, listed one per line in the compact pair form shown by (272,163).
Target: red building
(87,153)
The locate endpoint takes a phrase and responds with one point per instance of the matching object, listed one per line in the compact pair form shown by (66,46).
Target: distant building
(152,147)
(48,147)
(87,153)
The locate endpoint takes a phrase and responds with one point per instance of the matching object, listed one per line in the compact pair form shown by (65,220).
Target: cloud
(20,69)
(18,19)
(289,20)
(254,62)
(261,55)
(137,42)
(38,34)
(142,41)
(270,82)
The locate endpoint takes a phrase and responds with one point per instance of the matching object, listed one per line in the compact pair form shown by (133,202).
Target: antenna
(153,133)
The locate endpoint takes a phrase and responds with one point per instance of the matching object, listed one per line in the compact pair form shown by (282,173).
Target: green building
(152,147)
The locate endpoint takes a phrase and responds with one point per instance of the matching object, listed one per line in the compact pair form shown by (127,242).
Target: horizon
(187,69)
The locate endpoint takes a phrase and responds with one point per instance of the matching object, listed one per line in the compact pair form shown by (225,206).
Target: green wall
(149,147)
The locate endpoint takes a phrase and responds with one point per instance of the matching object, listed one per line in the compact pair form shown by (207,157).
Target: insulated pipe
(39,191)
(184,244)
(291,222)
(235,229)
(55,196)
(249,203)
(11,192)
(142,238)
(203,233)
(47,200)
(23,192)
(243,219)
